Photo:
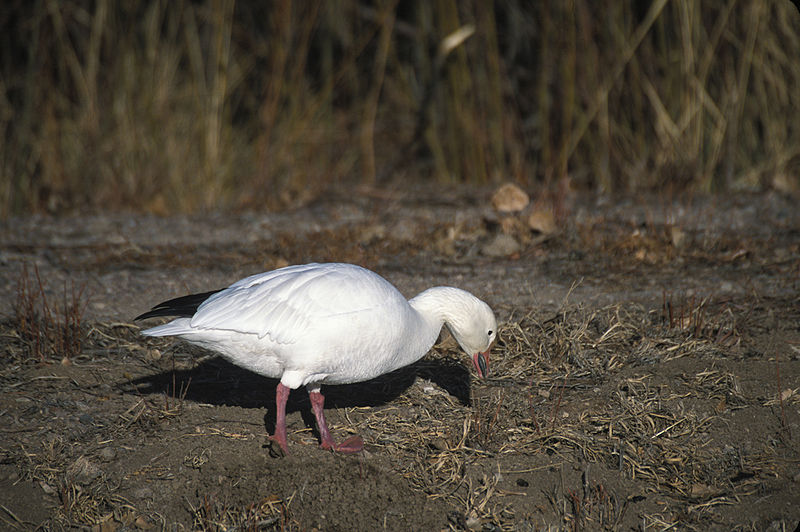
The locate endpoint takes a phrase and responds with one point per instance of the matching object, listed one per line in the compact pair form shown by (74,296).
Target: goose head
(473,325)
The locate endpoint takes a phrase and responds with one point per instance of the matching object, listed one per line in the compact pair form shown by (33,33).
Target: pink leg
(281,396)
(351,445)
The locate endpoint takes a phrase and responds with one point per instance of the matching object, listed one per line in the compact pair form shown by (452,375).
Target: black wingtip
(184,306)
(155,312)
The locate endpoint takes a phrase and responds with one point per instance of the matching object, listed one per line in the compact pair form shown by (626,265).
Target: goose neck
(434,305)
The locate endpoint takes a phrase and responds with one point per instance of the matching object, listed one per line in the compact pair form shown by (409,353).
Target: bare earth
(647,376)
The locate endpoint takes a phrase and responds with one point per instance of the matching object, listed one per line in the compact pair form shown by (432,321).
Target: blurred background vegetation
(180,105)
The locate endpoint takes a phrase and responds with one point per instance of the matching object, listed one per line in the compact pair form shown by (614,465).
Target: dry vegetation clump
(48,330)
(271,513)
(168,107)
(64,439)
(591,384)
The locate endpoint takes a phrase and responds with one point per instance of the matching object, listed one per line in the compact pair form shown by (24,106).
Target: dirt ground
(647,375)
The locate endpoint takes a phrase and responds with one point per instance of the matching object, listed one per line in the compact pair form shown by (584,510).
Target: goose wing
(284,304)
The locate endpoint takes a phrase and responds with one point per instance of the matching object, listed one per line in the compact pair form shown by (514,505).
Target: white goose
(320,324)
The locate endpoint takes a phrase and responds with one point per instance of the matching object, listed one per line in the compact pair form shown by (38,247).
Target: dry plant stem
(100,105)
(784,426)
(531,410)
(557,404)
(172,403)
(602,94)
(49,332)
(371,104)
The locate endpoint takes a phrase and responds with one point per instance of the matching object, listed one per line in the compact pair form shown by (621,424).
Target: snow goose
(317,324)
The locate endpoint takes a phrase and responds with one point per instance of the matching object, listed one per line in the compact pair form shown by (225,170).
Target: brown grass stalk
(190,106)
(45,330)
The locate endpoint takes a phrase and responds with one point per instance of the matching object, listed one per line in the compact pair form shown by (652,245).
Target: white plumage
(319,324)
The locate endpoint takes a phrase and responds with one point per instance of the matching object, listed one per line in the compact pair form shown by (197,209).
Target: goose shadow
(218,382)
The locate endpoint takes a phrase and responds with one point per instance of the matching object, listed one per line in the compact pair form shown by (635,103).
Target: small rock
(405,230)
(440,444)
(700,490)
(108,453)
(473,522)
(776,526)
(783,182)
(721,406)
(510,198)
(47,488)
(372,233)
(501,246)
(116,239)
(280,262)
(678,236)
(143,493)
(142,523)
(542,221)
(83,471)
(106,524)
(446,245)
(511,225)
(470,228)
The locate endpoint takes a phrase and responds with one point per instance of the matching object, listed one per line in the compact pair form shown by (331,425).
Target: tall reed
(183,106)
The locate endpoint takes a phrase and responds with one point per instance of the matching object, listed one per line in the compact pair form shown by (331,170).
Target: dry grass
(190,106)
(47,330)
(271,513)
(577,386)
(565,388)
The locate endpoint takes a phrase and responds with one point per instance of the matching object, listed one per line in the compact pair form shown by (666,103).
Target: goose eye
(491,332)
